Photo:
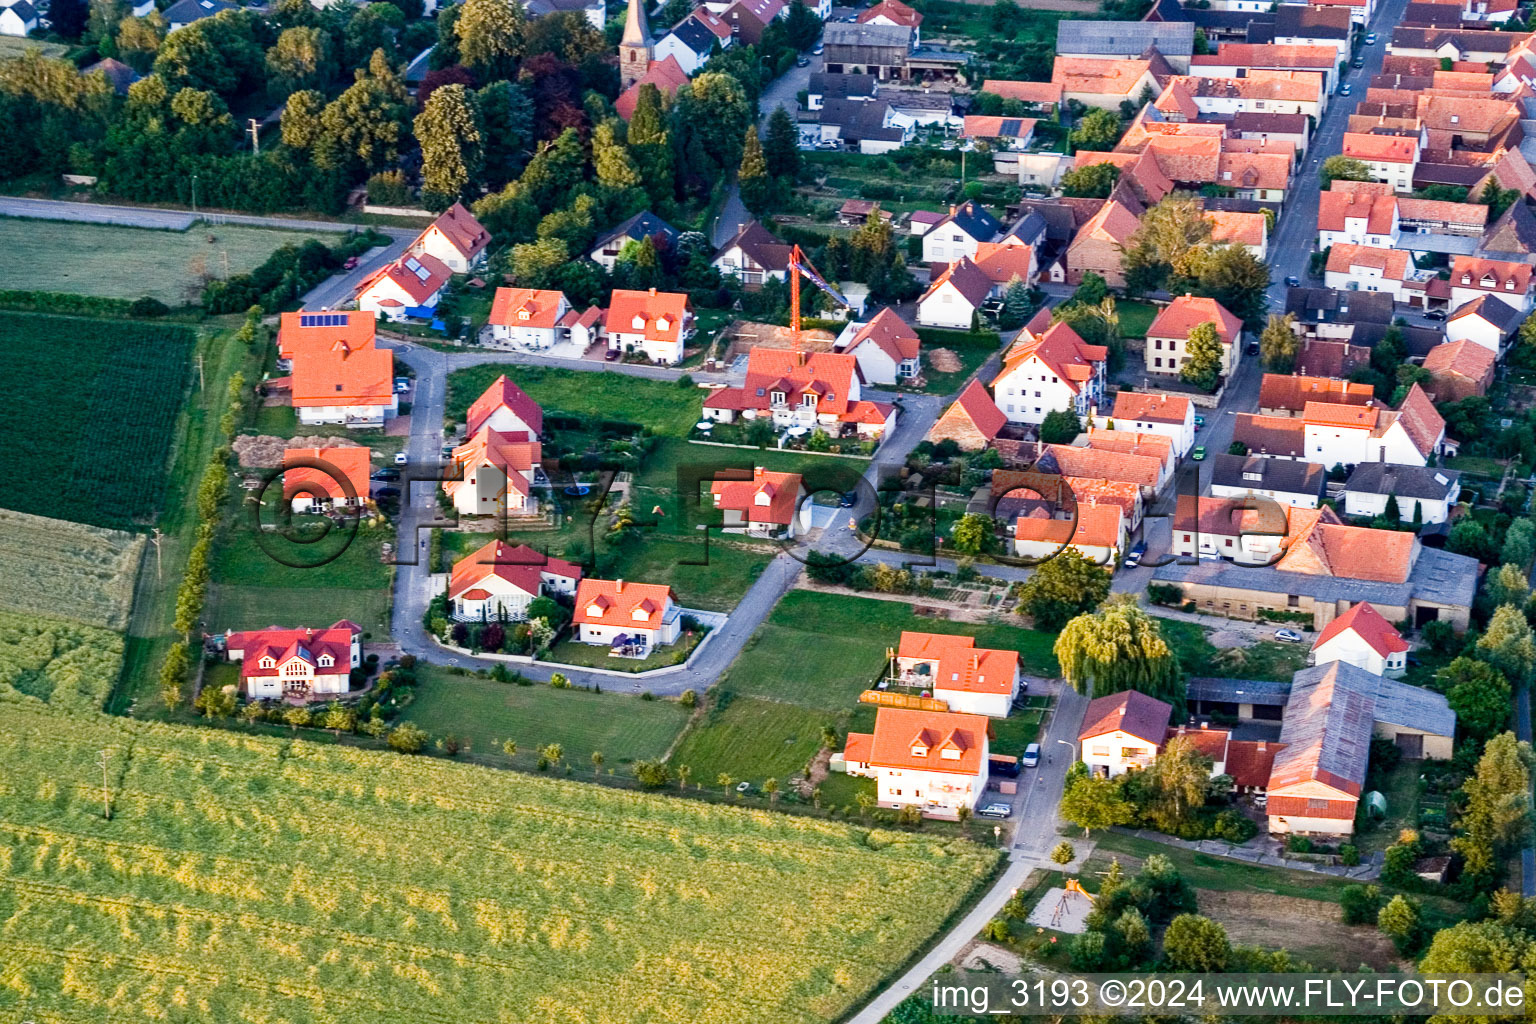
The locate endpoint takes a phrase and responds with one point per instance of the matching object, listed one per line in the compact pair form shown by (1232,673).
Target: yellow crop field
(64,664)
(262,879)
(67,570)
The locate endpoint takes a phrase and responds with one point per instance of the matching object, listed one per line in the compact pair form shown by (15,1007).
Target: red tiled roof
(1369,625)
(894,11)
(1393,149)
(285,645)
(1002,262)
(667,76)
(1094,526)
(1421,420)
(1187,312)
(1463,358)
(653,307)
(1153,408)
(1293,392)
(1249,762)
(1270,435)
(1130,712)
(1062,351)
(918,741)
(1101,464)
(621,603)
(517,564)
(976,405)
(1491,275)
(302,332)
(1392,263)
(960,664)
(1334,414)
(965,277)
(503,394)
(350,464)
(513,454)
(766,498)
(526,307)
(462,231)
(1211,743)
(418,276)
(364,377)
(1334,208)
(1024,92)
(889,333)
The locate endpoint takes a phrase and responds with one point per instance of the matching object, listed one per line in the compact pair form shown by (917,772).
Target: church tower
(635,48)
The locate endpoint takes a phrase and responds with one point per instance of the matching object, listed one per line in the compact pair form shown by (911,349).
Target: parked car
(351,263)
(1346,89)
(743,787)
(817,50)
(1293,281)
(1199,453)
(401,387)
(401,458)
(1134,558)
(1031,756)
(1435,314)
(387,492)
(1290,636)
(1199,422)
(1370,40)
(995,810)
(1359,63)
(612,355)
(1008,769)
(387,473)
(1253,348)
(848,499)
(803,62)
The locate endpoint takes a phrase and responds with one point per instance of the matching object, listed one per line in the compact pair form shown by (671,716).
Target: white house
(959,232)
(765,505)
(694,39)
(352,387)
(507,409)
(530,317)
(1048,371)
(326,479)
(498,581)
(1284,481)
(1425,494)
(456,238)
(1146,412)
(955,298)
(410,287)
(185,12)
(296,663)
(1362,637)
(1168,338)
(1473,278)
(886,349)
(651,323)
(605,251)
(1350,435)
(1487,320)
(971,680)
(1123,732)
(1358,213)
(495,474)
(752,256)
(936,761)
(18,19)
(1097,532)
(631,619)
(1362,268)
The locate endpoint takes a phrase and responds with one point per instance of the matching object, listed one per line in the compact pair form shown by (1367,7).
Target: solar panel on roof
(1010,126)
(322,319)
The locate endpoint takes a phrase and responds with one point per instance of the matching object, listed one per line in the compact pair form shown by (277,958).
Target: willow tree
(1119,647)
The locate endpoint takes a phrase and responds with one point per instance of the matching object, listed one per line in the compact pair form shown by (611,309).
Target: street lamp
(1071,746)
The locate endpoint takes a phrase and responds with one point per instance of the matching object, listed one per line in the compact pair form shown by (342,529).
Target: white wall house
(499,581)
(528,317)
(1362,637)
(295,662)
(1122,732)
(1425,494)
(959,233)
(1145,412)
(631,618)
(932,760)
(971,680)
(1049,372)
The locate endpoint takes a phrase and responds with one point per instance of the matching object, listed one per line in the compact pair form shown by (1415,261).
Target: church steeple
(635,49)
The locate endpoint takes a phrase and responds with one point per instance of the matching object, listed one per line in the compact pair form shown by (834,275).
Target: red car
(351,263)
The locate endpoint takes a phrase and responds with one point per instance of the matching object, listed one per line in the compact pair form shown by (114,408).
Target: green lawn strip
(234,606)
(128,262)
(1206,872)
(840,789)
(355,561)
(1135,317)
(971,349)
(570,651)
(822,649)
(1401,789)
(1266,659)
(1012,734)
(668,408)
(619,724)
(282,421)
(752,739)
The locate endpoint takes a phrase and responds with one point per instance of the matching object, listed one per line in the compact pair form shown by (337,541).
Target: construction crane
(798,265)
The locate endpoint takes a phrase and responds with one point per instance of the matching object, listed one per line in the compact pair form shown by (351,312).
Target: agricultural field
(90,434)
(58,568)
(249,878)
(65,664)
(769,708)
(172,266)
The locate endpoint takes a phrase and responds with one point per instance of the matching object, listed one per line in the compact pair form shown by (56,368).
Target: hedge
(960,339)
(82,305)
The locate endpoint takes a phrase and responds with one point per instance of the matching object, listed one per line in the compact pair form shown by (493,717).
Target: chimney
(653,291)
(1121,709)
(1262,747)
(951,211)
(618,586)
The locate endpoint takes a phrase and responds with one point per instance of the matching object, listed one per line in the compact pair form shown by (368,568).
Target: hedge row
(82,305)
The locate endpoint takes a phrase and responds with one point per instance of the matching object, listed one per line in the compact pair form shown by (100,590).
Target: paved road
(335,291)
(163,218)
(1036,833)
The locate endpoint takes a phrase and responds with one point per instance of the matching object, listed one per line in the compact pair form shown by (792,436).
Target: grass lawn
(88,259)
(1401,788)
(667,408)
(751,739)
(660,474)
(89,435)
(1135,317)
(237,606)
(971,349)
(822,650)
(572,652)
(485,712)
(1481,465)
(1206,872)
(1267,659)
(283,421)
(842,790)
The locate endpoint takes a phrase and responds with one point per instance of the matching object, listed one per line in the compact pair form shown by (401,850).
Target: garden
(91,430)
(460,891)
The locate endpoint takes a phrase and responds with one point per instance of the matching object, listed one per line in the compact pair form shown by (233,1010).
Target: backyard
(1265,659)
(172,266)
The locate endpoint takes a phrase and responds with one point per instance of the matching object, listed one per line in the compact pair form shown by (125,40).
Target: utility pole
(154,539)
(201,384)
(194,197)
(106,791)
(255,137)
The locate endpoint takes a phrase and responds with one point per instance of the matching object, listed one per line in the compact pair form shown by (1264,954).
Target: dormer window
(808,400)
(522,314)
(918,750)
(1466,278)
(639,615)
(325,661)
(778,398)
(595,611)
(950,753)
(1509,285)
(663,324)
(267,662)
(638,323)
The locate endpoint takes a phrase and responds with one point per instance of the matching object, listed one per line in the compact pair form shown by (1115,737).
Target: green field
(1135,317)
(971,349)
(126,263)
(58,568)
(65,664)
(252,878)
(668,409)
(89,433)
(751,739)
(485,712)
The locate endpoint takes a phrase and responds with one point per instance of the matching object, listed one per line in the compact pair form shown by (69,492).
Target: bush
(1360,904)
(147,307)
(1349,854)
(1298,844)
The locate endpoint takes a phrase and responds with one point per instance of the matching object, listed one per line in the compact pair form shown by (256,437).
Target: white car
(1290,636)
(401,458)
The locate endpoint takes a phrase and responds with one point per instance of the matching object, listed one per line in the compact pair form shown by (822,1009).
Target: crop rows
(64,664)
(91,415)
(264,879)
(67,570)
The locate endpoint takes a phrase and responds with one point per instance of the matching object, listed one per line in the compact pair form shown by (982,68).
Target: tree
(301,119)
(1063,853)
(448,129)
(138,39)
(1399,921)
(1508,646)
(554,753)
(216,701)
(1091,801)
(1176,784)
(300,59)
(363,126)
(506,119)
(752,178)
(1479,695)
(1060,426)
(1359,904)
(651,774)
(1063,587)
(771,787)
(1235,278)
(1202,357)
(407,738)
(1195,943)
(781,147)
(1095,181)
(1278,344)
(1017,305)
(1119,647)
(1343,168)
(1497,199)
(1506,585)
(1498,808)
(490,37)
(1164,249)
(1097,130)
(724,780)
(652,146)
(1092,290)
(712,113)
(296,717)
(1519,545)
(973,534)
(612,165)
(69,17)
(1469,538)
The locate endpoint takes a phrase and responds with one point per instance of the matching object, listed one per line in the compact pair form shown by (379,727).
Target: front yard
(569,651)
